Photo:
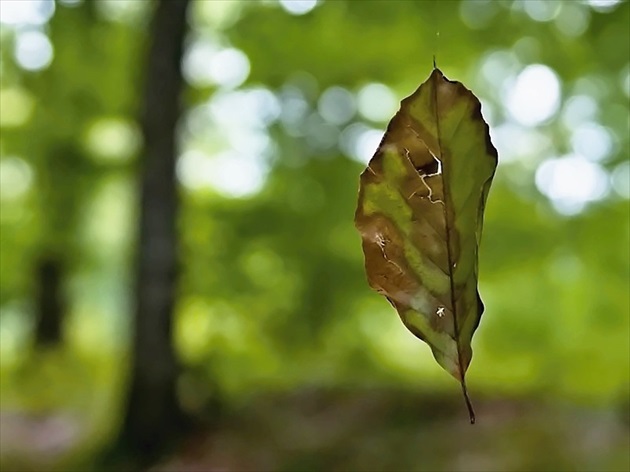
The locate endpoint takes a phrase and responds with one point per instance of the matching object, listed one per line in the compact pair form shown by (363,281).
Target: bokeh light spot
(535,97)
(517,143)
(229,68)
(113,139)
(205,65)
(377,102)
(16,178)
(26,12)
(541,10)
(592,141)
(603,6)
(360,142)
(229,173)
(571,182)
(336,105)
(621,179)
(123,11)
(16,106)
(218,14)
(573,19)
(33,50)
(498,66)
(70,3)
(263,108)
(479,14)
(294,109)
(579,109)
(320,135)
(298,7)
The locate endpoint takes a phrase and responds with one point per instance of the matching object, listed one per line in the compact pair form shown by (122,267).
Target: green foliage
(272,292)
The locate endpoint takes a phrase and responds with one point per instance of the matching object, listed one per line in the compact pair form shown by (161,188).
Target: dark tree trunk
(153,415)
(50,302)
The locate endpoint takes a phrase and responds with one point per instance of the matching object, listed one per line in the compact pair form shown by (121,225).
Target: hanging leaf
(420,215)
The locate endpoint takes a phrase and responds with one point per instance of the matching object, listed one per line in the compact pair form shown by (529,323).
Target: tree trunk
(153,415)
(50,302)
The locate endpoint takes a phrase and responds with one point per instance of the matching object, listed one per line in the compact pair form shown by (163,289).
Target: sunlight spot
(205,64)
(377,102)
(621,179)
(367,144)
(305,82)
(197,56)
(198,120)
(571,182)
(360,142)
(70,3)
(579,109)
(194,328)
(26,12)
(593,85)
(336,105)
(265,105)
(294,109)
(527,50)
(479,14)
(16,106)
(298,7)
(16,178)
(603,6)
(498,66)
(488,112)
(229,173)
(248,141)
(320,135)
(123,11)
(33,50)
(541,10)
(592,141)
(219,15)
(113,139)
(193,169)
(516,142)
(229,68)
(535,97)
(573,19)
(261,105)
(15,330)
(108,219)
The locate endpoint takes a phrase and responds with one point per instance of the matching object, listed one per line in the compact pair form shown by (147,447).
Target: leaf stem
(471,410)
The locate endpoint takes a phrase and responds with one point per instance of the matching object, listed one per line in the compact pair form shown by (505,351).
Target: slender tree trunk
(62,172)
(153,415)
(50,300)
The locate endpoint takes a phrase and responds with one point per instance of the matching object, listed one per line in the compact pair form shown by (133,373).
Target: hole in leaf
(432,168)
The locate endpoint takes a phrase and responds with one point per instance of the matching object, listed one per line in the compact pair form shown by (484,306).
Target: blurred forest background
(226,224)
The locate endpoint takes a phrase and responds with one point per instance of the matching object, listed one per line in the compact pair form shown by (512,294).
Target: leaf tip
(469,406)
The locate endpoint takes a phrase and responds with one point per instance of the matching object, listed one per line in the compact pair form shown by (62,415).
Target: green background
(274,319)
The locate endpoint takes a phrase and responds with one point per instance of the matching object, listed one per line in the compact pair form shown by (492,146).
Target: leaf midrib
(447,228)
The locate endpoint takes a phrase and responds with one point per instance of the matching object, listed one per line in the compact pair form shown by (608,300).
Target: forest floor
(344,430)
